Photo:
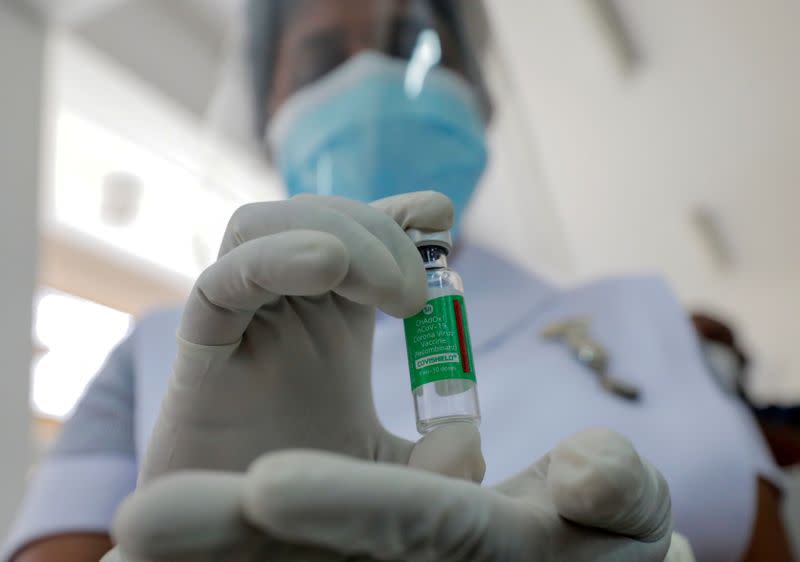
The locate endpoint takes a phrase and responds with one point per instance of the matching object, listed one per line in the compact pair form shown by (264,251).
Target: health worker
(279,423)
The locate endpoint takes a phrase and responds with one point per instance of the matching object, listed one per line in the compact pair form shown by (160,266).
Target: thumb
(679,550)
(113,555)
(452,449)
(597,479)
(424,210)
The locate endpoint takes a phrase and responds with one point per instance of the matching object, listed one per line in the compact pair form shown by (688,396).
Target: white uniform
(704,442)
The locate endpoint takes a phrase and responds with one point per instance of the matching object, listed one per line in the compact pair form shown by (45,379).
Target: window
(72,338)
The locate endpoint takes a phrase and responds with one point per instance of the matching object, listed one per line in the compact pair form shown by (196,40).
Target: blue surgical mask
(370,129)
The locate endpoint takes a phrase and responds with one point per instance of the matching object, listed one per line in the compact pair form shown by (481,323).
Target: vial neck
(433,257)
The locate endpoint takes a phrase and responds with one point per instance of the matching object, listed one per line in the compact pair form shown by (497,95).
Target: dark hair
(266,17)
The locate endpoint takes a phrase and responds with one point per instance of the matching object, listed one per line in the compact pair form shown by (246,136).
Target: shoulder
(154,326)
(159,319)
(652,284)
(647,297)
(152,343)
(634,308)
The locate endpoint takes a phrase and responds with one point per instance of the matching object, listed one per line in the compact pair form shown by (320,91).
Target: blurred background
(631,136)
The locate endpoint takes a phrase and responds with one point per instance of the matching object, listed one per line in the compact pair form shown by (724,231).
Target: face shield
(369,98)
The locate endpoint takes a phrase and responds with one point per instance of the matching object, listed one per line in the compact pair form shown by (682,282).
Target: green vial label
(438,344)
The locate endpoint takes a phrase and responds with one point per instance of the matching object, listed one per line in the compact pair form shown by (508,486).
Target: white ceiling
(176,45)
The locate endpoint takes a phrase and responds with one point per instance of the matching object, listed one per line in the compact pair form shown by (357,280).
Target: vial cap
(440,238)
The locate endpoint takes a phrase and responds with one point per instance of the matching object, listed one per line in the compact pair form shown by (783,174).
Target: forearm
(75,547)
(769,541)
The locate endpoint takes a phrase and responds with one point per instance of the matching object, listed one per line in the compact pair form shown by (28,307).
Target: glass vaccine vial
(440,359)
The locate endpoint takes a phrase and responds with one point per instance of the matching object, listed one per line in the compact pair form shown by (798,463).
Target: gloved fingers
(193,515)
(360,508)
(452,449)
(113,555)
(373,277)
(386,219)
(423,210)
(679,550)
(597,479)
(391,512)
(569,541)
(257,273)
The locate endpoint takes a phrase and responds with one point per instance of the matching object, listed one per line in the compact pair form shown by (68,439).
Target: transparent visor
(371,99)
(318,36)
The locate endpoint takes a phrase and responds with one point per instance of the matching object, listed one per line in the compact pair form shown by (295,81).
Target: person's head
(368,98)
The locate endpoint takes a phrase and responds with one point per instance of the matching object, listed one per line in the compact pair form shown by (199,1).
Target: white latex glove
(275,343)
(275,352)
(305,505)
(680,550)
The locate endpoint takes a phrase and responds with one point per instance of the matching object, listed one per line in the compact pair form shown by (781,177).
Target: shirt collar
(498,294)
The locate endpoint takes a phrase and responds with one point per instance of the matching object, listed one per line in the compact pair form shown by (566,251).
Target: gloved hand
(275,343)
(275,352)
(680,550)
(574,505)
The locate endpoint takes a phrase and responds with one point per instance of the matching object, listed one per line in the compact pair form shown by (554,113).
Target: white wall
(21,56)
(513,211)
(711,116)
